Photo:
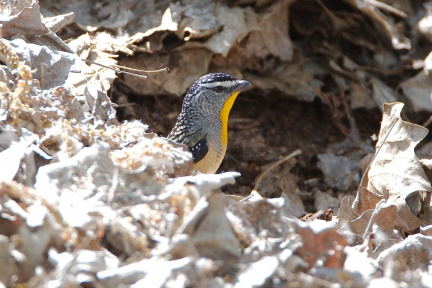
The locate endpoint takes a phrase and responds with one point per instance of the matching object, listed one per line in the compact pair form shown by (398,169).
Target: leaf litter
(88,201)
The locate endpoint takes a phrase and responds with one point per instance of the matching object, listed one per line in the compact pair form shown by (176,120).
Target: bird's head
(214,93)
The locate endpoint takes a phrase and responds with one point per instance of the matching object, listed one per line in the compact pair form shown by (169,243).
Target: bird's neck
(224,117)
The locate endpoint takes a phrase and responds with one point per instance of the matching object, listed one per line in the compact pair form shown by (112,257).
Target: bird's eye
(218,89)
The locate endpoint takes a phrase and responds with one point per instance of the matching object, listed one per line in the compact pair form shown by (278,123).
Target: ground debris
(90,199)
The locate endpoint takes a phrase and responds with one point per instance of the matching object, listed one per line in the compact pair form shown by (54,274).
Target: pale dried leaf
(235,28)
(28,22)
(395,173)
(271,37)
(210,230)
(51,67)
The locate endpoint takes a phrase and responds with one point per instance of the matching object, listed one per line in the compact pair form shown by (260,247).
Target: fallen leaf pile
(88,200)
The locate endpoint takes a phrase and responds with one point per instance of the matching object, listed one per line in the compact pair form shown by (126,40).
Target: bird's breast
(212,160)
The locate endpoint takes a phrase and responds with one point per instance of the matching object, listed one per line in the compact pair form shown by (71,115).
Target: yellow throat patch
(224,117)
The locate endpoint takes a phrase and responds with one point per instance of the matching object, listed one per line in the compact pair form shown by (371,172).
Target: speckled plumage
(199,125)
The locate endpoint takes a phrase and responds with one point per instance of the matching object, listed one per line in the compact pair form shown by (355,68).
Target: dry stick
(251,195)
(427,122)
(384,6)
(286,158)
(124,105)
(315,216)
(116,70)
(126,68)
(140,70)
(333,17)
(235,196)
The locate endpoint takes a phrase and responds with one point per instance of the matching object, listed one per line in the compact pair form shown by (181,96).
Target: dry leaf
(322,244)
(271,37)
(395,174)
(210,230)
(340,172)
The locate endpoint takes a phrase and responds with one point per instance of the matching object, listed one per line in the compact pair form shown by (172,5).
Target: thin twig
(391,9)
(315,216)
(125,105)
(427,122)
(253,194)
(235,196)
(117,68)
(286,158)
(140,70)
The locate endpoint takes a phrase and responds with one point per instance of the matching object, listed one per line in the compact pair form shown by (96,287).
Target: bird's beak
(242,85)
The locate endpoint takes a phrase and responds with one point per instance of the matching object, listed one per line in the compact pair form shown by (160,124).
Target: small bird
(203,120)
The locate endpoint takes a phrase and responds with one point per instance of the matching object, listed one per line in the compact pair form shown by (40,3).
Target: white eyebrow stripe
(225,84)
